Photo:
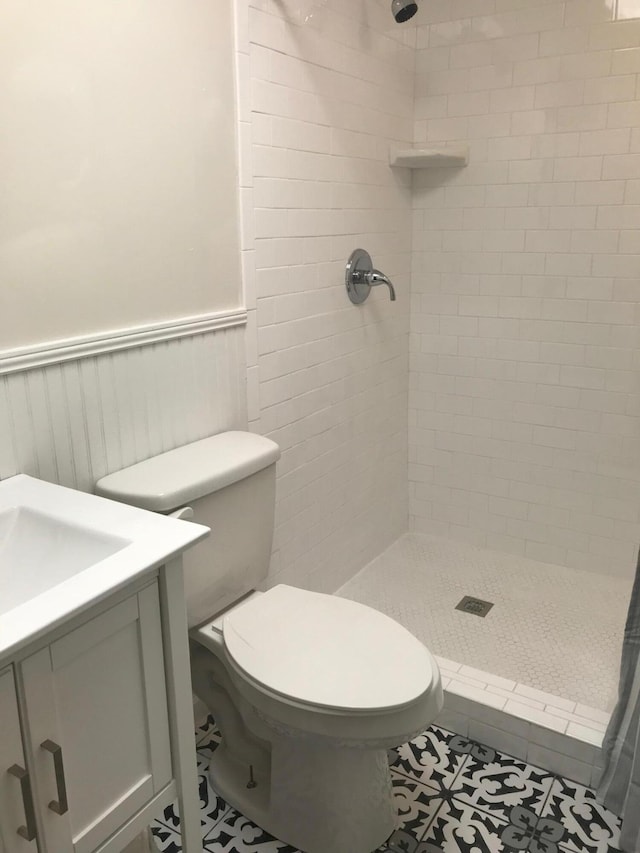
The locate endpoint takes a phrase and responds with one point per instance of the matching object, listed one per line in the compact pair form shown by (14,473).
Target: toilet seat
(327,652)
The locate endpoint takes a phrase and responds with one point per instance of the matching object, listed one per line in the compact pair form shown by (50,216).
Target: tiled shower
(516,278)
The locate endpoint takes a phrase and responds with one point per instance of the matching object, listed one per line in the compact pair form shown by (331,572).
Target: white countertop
(153,540)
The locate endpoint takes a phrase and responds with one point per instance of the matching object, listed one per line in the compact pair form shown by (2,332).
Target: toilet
(309,690)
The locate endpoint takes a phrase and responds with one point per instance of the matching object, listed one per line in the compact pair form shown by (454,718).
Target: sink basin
(38,551)
(63,550)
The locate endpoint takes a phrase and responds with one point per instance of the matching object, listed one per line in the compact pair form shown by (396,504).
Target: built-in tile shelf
(434,157)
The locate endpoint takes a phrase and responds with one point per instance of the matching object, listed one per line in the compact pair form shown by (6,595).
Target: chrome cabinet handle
(59,806)
(27,832)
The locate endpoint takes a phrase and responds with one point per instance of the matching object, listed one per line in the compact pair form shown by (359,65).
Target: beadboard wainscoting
(74,421)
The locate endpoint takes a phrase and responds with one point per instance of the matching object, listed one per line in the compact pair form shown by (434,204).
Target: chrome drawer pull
(59,806)
(27,832)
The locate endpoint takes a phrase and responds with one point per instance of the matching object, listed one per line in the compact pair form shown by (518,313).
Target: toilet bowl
(329,685)
(308,690)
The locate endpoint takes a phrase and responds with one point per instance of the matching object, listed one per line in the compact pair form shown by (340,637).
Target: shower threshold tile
(586,733)
(544,698)
(477,694)
(588,713)
(488,678)
(533,715)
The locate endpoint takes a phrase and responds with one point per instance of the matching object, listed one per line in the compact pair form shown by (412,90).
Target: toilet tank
(229,481)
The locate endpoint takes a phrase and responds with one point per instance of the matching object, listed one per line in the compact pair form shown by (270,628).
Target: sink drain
(477,606)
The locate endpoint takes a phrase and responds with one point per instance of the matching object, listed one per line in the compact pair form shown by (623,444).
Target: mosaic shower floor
(452,795)
(553,628)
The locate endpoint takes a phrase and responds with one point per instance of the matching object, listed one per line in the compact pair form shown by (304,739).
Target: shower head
(402,10)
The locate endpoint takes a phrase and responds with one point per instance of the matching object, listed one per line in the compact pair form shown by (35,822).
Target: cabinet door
(17,819)
(98,728)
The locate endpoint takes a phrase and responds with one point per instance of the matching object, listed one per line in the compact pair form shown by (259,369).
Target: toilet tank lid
(177,477)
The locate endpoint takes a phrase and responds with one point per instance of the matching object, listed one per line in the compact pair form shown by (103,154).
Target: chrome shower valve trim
(360,277)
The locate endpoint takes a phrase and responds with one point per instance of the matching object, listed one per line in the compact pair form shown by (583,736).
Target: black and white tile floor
(452,795)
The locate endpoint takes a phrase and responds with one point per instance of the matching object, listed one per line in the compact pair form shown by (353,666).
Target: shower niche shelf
(433,157)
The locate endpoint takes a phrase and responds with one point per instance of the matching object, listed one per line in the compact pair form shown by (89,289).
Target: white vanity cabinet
(96,716)
(16,825)
(95,750)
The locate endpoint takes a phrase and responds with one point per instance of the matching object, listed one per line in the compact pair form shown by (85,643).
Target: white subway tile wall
(325,90)
(525,391)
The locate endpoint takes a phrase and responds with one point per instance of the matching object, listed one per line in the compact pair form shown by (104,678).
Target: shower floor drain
(474,605)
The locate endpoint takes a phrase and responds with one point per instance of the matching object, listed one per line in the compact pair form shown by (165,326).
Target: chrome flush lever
(360,277)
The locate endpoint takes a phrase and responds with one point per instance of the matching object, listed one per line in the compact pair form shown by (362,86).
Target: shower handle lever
(374,277)
(360,277)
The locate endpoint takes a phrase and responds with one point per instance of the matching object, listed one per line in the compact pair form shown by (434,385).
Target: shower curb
(547,731)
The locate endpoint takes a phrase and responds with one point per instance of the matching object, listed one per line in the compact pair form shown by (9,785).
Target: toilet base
(320,799)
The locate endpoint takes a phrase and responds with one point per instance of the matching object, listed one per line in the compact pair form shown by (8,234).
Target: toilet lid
(327,651)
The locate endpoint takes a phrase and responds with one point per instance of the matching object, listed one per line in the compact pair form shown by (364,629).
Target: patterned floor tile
(416,807)
(588,826)
(399,842)
(166,837)
(497,783)
(208,737)
(166,830)
(237,834)
(452,795)
(429,759)
(459,828)
(528,831)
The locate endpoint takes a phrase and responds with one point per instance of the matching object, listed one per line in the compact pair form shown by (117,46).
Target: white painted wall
(328,380)
(525,394)
(119,119)
(117,165)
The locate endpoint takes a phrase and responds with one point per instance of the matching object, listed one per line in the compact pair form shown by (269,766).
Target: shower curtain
(619,788)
